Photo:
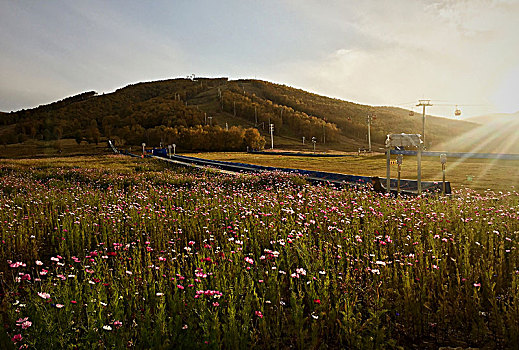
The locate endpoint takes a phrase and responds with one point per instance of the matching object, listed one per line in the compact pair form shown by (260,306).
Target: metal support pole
(398,183)
(419,169)
(423,103)
(369,133)
(443,187)
(271,136)
(388,170)
(423,124)
(443,160)
(399,160)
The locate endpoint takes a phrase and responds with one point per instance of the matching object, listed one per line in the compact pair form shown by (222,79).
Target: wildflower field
(139,256)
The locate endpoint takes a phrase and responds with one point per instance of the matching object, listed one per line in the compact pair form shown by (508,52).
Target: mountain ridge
(166,110)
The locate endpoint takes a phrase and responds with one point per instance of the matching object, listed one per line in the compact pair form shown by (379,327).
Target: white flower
(107,328)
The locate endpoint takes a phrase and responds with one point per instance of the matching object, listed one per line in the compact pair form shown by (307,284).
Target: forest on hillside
(190,113)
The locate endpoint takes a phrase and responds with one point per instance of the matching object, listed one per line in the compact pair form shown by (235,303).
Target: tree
(253,139)
(93,132)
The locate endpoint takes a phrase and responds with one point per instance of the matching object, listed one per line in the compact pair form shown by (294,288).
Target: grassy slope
(43,149)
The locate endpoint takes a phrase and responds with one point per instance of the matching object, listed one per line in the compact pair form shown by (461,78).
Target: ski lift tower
(423,103)
(404,140)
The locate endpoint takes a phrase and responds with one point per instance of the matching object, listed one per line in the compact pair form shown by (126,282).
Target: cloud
(370,51)
(459,51)
(59,49)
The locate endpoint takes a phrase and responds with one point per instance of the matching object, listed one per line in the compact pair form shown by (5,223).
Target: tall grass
(99,258)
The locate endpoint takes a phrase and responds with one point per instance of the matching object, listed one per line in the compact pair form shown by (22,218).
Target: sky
(372,52)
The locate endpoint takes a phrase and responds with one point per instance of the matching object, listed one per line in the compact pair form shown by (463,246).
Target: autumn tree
(253,139)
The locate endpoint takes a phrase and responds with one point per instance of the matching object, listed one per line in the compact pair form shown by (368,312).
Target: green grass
(476,174)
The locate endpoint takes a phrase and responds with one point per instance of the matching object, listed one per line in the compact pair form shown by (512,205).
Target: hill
(215,114)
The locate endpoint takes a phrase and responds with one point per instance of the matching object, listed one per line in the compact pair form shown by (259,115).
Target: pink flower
(258,313)
(26,324)
(44,295)
(216,304)
(477,284)
(17,264)
(249,260)
(17,338)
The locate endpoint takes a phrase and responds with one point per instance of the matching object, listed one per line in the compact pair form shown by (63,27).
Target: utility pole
(255,117)
(210,121)
(369,119)
(423,103)
(271,136)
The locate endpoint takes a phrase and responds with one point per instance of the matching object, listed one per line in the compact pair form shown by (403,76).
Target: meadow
(112,252)
(476,174)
